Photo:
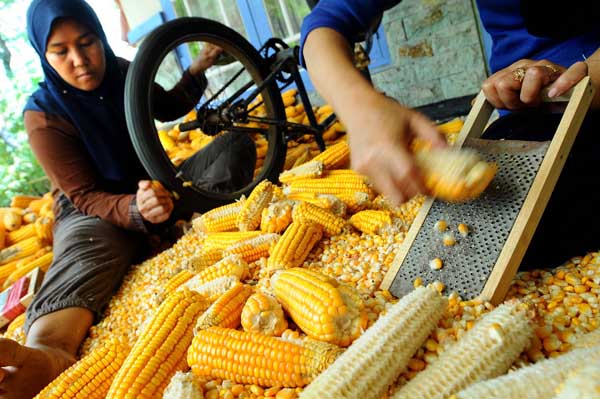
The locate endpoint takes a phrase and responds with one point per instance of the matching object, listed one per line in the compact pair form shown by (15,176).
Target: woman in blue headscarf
(104,201)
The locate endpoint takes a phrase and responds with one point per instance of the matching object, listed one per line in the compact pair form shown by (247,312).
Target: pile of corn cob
(25,237)
(328,288)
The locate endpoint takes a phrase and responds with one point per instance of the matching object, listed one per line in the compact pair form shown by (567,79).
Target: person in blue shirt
(380,128)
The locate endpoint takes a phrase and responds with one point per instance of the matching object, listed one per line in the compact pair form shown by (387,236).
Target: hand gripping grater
(501,221)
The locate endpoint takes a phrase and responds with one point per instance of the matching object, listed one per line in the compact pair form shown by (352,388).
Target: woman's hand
(379,137)
(207,58)
(153,201)
(520,85)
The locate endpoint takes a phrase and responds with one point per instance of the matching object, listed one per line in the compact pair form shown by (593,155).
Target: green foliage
(20,173)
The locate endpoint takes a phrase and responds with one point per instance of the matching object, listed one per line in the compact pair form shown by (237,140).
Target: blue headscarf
(99,115)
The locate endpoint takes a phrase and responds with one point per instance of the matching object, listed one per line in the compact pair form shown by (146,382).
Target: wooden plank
(520,236)
(389,277)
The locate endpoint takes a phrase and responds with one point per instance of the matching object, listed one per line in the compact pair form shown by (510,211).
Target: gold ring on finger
(519,74)
(552,68)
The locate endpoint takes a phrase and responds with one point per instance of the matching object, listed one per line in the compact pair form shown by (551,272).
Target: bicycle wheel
(209,165)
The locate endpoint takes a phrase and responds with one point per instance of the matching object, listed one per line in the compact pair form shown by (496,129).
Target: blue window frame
(258,30)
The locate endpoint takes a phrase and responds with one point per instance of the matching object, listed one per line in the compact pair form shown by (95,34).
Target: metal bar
(286,18)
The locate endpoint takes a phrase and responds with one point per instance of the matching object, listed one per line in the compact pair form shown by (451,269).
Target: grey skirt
(91,257)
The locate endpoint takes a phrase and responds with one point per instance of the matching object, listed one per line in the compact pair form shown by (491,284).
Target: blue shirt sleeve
(348,17)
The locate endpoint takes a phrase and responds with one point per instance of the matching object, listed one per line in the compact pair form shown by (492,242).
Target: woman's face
(76,54)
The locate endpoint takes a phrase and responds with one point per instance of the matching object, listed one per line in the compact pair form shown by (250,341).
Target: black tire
(139,108)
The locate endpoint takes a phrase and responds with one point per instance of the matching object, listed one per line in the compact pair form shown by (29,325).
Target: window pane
(224,11)
(286,17)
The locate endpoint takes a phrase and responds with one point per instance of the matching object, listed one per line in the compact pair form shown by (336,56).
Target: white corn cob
(583,383)
(183,386)
(309,169)
(375,360)
(539,381)
(485,351)
(214,288)
(588,340)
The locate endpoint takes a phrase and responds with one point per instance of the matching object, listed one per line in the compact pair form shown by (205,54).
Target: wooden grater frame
(521,233)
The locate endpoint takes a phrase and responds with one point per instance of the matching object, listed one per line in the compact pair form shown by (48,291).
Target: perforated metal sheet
(468,264)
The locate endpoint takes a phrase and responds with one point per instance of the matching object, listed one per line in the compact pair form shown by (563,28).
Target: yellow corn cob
(20,250)
(23,201)
(43,228)
(336,156)
(226,311)
(159,351)
(455,174)
(36,205)
(232,265)
(294,245)
(90,377)
(204,259)
(30,217)
(325,201)
(254,248)
(7,269)
(46,210)
(223,218)
(450,127)
(222,241)
(376,359)
(322,307)
(263,314)
(293,154)
(277,216)
(249,216)
(24,261)
(583,383)
(167,142)
(183,386)
(336,185)
(371,221)
(17,322)
(538,381)
(310,169)
(2,236)
(485,351)
(43,262)
(177,280)
(213,289)
(355,202)
(20,234)
(265,361)
(12,220)
(306,213)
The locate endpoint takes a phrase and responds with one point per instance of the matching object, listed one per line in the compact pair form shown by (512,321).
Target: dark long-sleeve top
(512,24)
(61,152)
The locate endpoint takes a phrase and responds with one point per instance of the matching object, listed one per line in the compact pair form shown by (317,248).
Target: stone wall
(435,50)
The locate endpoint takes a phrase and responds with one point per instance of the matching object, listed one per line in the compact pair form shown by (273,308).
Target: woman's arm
(60,152)
(379,128)
(173,104)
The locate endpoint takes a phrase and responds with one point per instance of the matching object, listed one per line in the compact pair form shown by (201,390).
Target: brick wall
(435,50)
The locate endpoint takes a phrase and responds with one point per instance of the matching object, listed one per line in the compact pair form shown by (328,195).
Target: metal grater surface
(468,264)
